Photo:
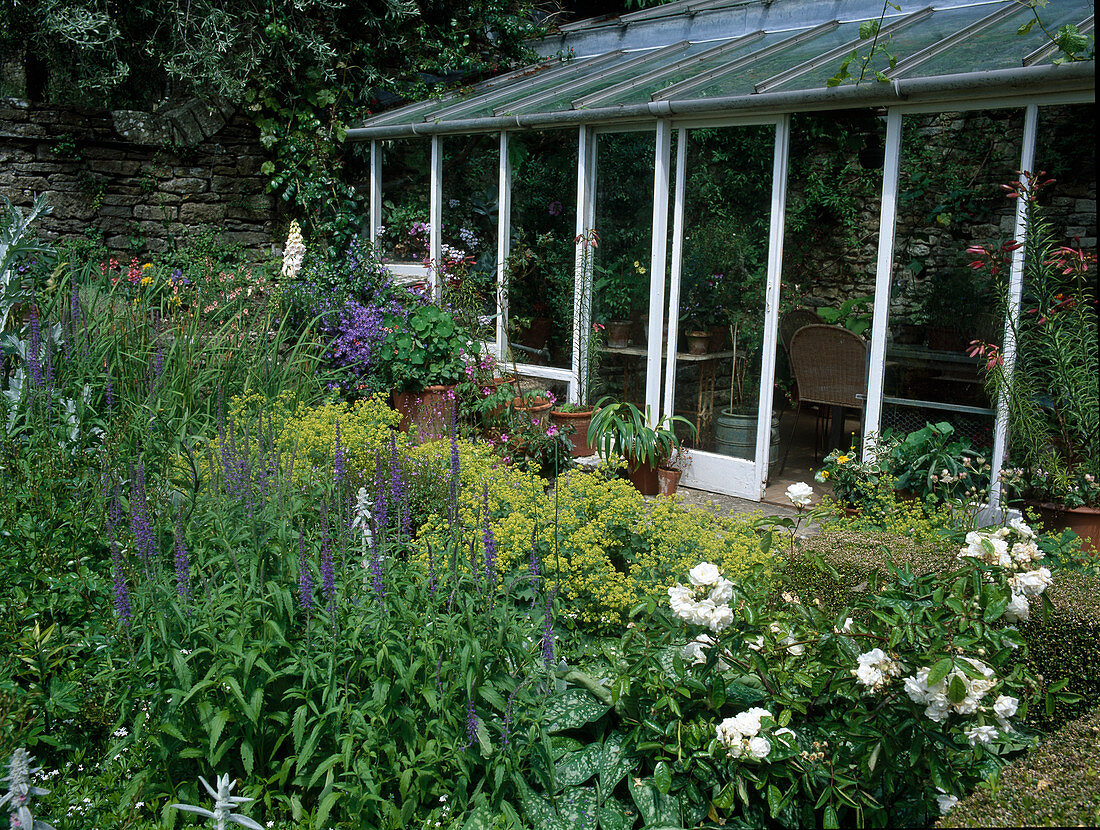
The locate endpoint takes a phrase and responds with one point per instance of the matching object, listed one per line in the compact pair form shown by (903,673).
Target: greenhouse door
(723,299)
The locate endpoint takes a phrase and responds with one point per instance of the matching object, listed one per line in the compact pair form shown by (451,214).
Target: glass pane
(901,44)
(539,270)
(1066,151)
(406,197)
(999,46)
(949,199)
(727,207)
(745,79)
(693,67)
(470,173)
(829,254)
(624,218)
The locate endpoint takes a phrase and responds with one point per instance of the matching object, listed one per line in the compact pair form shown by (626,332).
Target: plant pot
(668,481)
(698,342)
(644,479)
(538,410)
(537,334)
(579,421)
(493,385)
(427,415)
(1084,521)
(735,435)
(618,333)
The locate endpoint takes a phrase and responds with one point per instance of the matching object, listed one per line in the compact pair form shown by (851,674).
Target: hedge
(1057,784)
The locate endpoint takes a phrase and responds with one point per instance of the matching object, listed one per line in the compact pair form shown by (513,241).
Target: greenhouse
(743,212)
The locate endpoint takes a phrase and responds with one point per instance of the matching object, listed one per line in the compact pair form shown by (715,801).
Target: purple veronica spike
(183,564)
(305,582)
(381,508)
(533,560)
(487,539)
(471,723)
(34,364)
(140,523)
(119,589)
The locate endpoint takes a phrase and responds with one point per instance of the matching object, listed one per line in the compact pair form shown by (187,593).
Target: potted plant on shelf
(621,429)
(617,288)
(422,359)
(1050,394)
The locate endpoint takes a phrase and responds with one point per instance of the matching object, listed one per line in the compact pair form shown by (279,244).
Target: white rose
(1018,609)
(937,708)
(980,734)
(759,748)
(695,653)
(868,675)
(755,645)
(722,592)
(720,619)
(1005,706)
(875,655)
(800,494)
(1031,583)
(946,802)
(727,732)
(704,574)
(701,612)
(1021,527)
(746,724)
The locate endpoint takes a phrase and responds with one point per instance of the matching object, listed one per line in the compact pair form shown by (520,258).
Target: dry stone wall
(138,180)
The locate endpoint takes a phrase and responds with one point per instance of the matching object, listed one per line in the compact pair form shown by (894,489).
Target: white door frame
(714,471)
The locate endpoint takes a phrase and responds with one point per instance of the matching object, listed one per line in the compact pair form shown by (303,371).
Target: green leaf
(571,709)
(956,690)
(615,763)
(577,806)
(481,818)
(216,727)
(662,777)
(939,671)
(1023,30)
(614,815)
(829,821)
(577,767)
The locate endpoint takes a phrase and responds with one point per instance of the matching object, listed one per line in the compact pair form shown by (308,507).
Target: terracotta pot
(538,410)
(427,415)
(579,421)
(698,342)
(1084,521)
(668,480)
(618,333)
(493,385)
(644,479)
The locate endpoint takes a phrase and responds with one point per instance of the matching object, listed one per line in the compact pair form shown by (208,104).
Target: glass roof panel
(999,47)
(642,94)
(744,80)
(902,44)
(481,106)
(598,81)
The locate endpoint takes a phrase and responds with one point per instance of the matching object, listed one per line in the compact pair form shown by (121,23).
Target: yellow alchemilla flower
(843,459)
(146,266)
(146,280)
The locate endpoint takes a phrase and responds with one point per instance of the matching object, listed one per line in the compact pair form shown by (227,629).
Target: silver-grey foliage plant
(223,805)
(20,791)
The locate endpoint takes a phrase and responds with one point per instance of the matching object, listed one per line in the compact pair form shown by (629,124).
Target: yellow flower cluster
(309,432)
(609,548)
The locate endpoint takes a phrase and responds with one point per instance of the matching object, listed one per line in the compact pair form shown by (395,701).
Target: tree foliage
(303,69)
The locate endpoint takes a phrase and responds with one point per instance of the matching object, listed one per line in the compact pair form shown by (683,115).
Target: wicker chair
(792,321)
(830,365)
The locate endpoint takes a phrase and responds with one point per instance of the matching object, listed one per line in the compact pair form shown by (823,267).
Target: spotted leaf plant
(224,803)
(20,792)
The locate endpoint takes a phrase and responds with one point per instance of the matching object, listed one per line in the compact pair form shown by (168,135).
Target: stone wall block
(199,212)
(185,185)
(161,213)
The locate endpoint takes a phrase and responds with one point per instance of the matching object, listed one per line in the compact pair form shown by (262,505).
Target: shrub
(308,432)
(1057,784)
(1066,645)
(602,544)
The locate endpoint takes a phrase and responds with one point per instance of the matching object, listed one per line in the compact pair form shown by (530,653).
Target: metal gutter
(1016,82)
